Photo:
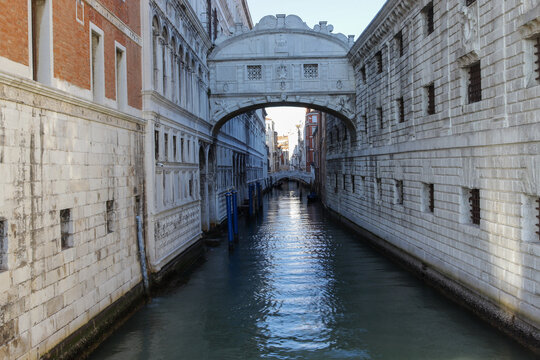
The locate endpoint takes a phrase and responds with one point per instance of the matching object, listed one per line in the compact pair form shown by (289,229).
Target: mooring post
(259,197)
(250,199)
(235,213)
(228,197)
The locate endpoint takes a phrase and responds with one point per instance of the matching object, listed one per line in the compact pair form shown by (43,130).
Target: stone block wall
(491,145)
(61,153)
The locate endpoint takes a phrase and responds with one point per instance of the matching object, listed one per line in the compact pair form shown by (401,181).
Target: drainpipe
(142,256)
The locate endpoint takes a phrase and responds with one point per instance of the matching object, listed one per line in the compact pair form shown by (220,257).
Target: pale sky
(349,17)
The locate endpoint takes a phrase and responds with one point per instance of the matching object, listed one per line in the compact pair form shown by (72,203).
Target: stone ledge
(509,323)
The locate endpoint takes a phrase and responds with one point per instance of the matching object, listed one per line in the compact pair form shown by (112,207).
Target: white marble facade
(189,163)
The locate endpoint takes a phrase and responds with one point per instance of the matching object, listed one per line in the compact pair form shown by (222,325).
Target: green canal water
(300,286)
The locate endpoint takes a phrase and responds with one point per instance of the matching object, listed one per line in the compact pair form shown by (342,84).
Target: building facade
(445,164)
(312,122)
(191,168)
(71,151)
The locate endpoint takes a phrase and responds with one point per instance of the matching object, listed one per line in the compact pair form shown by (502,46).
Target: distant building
(271,142)
(283,146)
(312,120)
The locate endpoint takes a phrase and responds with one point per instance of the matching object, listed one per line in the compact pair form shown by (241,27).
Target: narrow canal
(299,286)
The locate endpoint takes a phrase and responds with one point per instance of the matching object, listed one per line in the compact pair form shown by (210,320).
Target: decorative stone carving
(281,72)
(468,19)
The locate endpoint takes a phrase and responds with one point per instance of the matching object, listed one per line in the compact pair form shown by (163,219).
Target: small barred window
(311,71)
(254,72)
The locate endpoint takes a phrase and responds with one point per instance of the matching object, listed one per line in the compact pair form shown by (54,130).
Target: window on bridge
(311,71)
(430,99)
(475,83)
(254,72)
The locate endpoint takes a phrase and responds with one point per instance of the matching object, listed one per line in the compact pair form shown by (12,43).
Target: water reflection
(299,286)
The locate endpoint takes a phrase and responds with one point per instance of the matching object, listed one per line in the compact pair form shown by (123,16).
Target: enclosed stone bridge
(303,176)
(282,62)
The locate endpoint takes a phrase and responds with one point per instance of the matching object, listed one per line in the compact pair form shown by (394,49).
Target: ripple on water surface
(298,286)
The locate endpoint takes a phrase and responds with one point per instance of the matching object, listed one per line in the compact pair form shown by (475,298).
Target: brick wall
(14,30)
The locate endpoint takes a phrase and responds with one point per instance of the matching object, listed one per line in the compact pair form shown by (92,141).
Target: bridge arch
(282,62)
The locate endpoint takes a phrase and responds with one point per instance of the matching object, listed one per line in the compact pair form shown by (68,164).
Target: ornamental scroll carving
(468,19)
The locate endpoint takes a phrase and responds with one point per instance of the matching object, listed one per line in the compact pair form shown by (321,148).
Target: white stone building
(192,164)
(445,166)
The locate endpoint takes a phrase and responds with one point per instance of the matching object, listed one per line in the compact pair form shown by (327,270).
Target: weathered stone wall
(491,145)
(59,152)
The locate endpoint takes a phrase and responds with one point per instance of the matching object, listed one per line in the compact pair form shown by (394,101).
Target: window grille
(401,109)
(378,58)
(474,201)
(399,43)
(352,183)
(254,72)
(475,83)
(156,144)
(311,71)
(344,179)
(379,189)
(430,99)
(538,218)
(470,2)
(336,185)
(537,54)
(109,216)
(66,229)
(428,13)
(364,117)
(380,116)
(431,189)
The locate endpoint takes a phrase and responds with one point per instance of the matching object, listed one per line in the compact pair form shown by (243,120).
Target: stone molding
(385,21)
(60,96)
(115,20)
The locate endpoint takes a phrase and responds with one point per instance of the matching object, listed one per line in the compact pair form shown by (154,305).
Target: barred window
(430,95)
(66,229)
(352,183)
(428,15)
(470,2)
(475,83)
(399,43)
(474,201)
(401,109)
(254,72)
(363,74)
(378,59)
(380,117)
(311,71)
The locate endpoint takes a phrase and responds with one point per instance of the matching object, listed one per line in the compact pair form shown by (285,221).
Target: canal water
(300,286)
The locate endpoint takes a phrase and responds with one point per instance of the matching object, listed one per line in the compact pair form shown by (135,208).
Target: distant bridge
(303,176)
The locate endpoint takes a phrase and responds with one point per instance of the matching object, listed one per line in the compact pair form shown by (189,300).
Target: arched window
(155,47)
(164,55)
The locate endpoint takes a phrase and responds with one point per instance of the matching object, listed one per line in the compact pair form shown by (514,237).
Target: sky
(349,17)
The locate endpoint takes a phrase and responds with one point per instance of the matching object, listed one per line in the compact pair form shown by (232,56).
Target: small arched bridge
(303,176)
(282,62)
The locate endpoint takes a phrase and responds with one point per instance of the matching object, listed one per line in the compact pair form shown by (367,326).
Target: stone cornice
(61,96)
(385,20)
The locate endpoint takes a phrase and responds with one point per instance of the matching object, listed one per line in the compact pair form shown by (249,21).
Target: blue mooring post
(250,199)
(259,197)
(235,212)
(228,197)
